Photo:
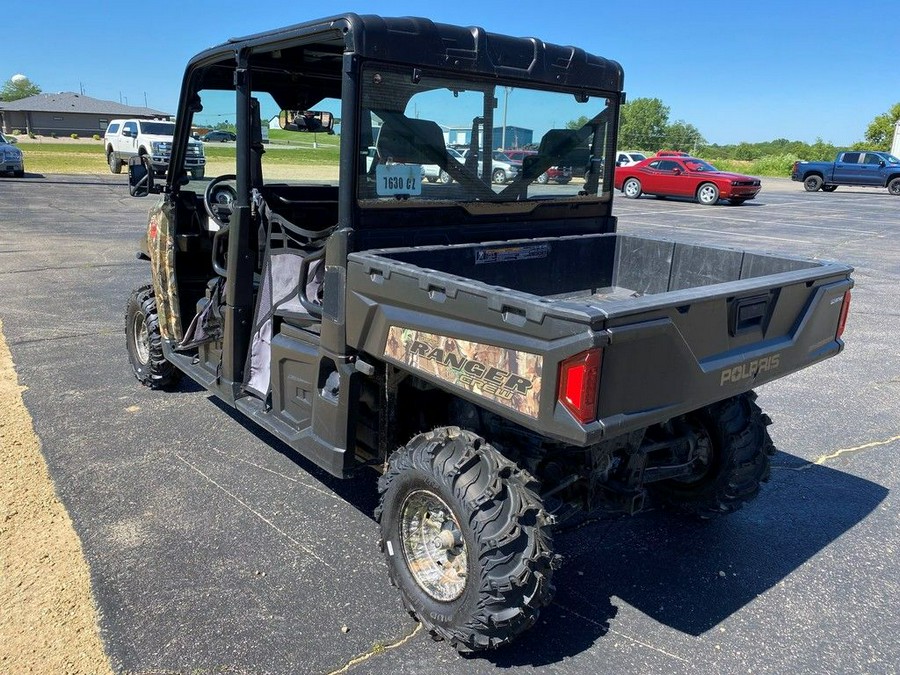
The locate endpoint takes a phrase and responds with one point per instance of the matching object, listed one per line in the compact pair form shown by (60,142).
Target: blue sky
(751,71)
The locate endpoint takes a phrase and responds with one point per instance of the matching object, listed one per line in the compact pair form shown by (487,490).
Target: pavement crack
(375,650)
(325,493)
(837,453)
(606,628)
(67,267)
(68,336)
(865,446)
(256,513)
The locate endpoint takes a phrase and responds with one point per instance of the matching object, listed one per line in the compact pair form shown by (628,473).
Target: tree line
(644,125)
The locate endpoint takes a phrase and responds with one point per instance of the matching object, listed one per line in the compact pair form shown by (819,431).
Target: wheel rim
(499,176)
(895,187)
(708,194)
(812,184)
(433,546)
(140,338)
(631,188)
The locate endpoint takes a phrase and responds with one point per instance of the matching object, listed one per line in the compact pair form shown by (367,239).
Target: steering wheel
(219,199)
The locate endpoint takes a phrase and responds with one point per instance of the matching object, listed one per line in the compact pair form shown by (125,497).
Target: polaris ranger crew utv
(496,351)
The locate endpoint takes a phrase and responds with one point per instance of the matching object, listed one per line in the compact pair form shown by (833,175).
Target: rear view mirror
(320,121)
(140,176)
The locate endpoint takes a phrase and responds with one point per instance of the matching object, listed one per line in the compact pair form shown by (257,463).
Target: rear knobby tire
(737,449)
(466,538)
(144,342)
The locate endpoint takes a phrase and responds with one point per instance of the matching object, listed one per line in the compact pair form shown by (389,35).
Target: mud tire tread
(157,373)
(507,532)
(742,462)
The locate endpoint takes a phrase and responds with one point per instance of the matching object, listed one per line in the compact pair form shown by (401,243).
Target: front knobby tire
(735,459)
(466,538)
(144,342)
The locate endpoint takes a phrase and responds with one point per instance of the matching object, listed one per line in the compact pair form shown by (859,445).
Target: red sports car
(685,177)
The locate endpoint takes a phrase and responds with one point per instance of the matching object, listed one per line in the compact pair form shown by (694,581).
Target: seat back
(411,141)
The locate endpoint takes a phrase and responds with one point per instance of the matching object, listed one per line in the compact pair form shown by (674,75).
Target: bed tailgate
(704,347)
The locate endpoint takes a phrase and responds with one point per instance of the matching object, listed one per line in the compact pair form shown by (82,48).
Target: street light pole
(505,106)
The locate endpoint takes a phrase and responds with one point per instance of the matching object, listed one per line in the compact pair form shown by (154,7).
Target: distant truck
(129,138)
(866,168)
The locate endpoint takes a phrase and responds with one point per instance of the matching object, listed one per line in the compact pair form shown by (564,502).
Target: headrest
(411,141)
(558,143)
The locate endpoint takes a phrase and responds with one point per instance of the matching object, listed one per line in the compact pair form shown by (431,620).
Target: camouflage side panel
(507,376)
(161,245)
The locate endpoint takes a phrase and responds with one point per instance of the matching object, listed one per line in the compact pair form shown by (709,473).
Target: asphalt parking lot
(214,548)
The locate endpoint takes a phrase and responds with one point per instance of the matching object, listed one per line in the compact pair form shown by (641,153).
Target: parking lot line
(722,234)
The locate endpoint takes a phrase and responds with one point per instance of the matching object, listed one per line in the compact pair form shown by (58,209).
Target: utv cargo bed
(681,325)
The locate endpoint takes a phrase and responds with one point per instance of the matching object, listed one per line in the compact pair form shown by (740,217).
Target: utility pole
(505,106)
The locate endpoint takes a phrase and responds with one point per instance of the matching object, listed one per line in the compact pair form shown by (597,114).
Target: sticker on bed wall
(398,179)
(509,377)
(510,253)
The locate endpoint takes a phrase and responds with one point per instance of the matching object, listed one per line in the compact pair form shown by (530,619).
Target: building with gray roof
(67,113)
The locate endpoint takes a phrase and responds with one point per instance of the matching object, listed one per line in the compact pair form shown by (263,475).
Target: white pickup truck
(135,137)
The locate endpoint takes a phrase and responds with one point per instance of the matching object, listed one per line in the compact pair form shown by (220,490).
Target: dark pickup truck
(861,168)
(498,353)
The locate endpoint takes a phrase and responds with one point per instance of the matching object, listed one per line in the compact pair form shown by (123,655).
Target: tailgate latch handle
(749,314)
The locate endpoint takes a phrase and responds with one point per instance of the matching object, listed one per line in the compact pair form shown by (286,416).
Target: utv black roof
(417,42)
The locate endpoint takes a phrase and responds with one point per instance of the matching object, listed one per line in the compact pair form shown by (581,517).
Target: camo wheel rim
(141,338)
(433,546)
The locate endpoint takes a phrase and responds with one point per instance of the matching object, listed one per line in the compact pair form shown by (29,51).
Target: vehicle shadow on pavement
(359,491)
(688,575)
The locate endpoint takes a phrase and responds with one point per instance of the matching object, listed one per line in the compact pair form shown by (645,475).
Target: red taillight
(579,378)
(842,321)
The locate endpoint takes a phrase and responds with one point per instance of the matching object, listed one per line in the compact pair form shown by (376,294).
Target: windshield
(3,139)
(410,121)
(158,128)
(891,159)
(698,165)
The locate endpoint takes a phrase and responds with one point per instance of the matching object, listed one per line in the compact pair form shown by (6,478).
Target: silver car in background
(11,158)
